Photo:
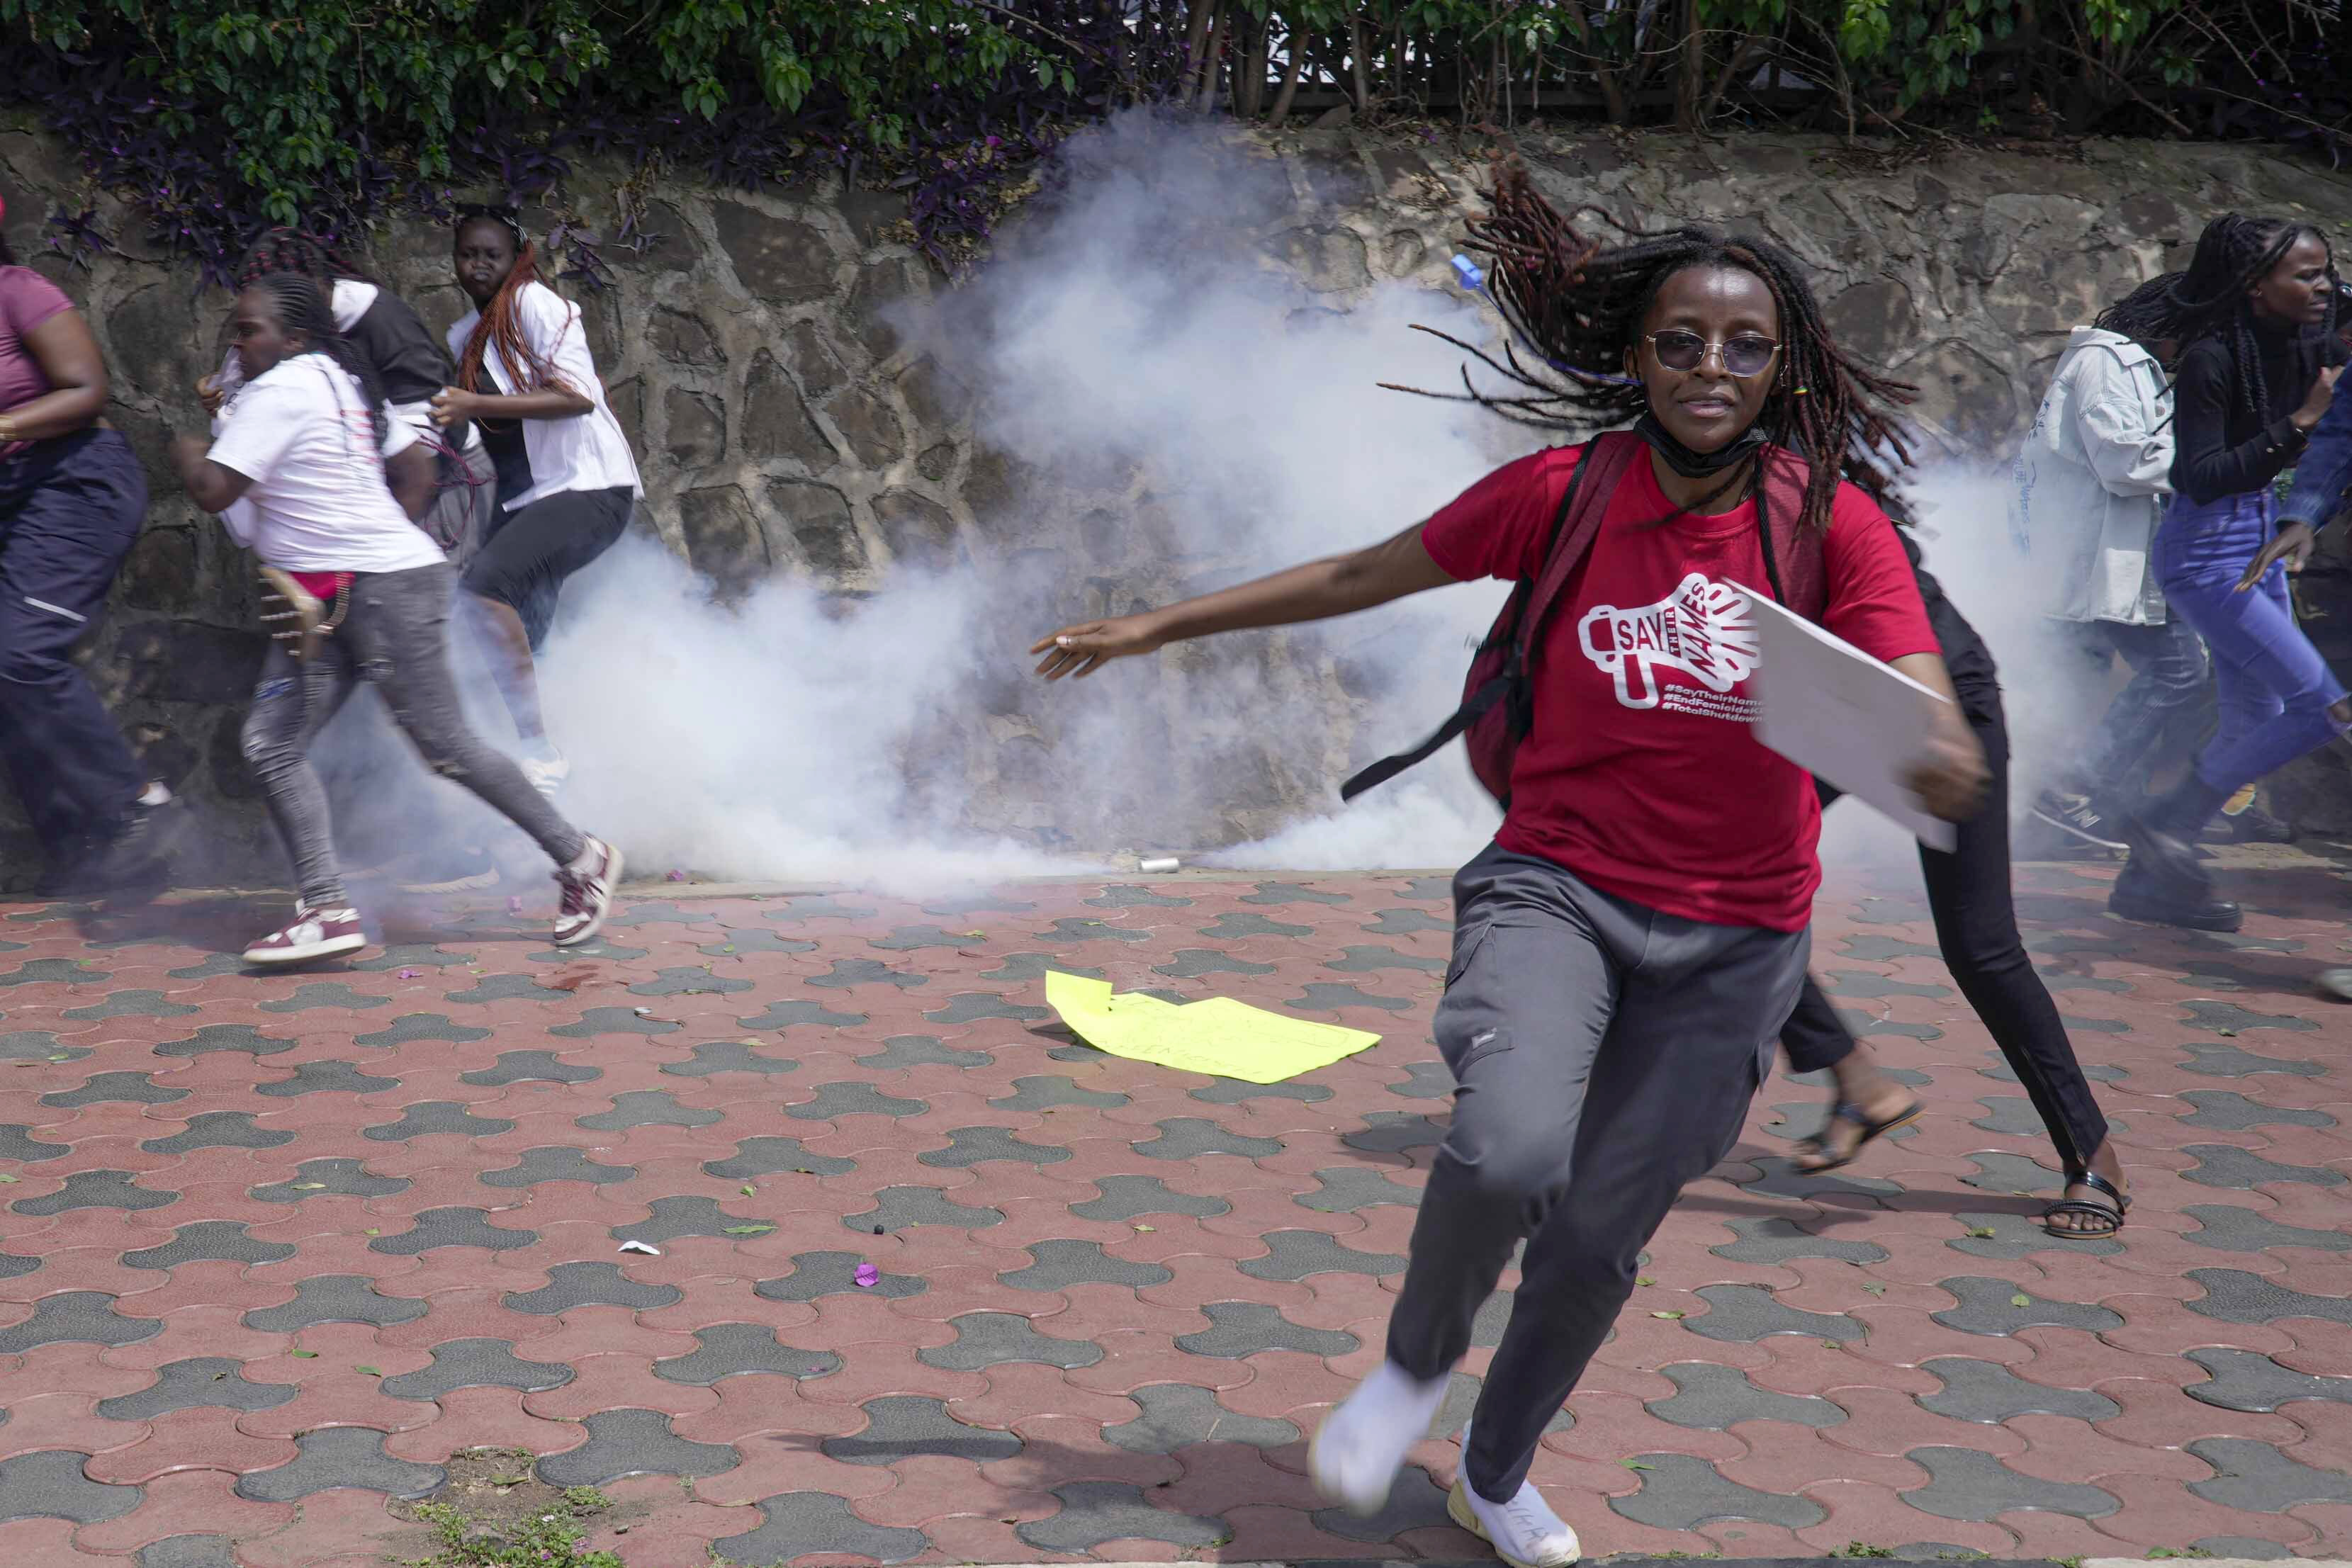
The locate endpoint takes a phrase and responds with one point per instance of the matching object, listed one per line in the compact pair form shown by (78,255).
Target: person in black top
(2257,311)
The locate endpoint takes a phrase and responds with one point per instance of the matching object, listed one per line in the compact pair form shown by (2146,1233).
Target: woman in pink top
(72,500)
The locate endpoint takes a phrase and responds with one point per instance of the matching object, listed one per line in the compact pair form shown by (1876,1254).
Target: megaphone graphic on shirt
(1702,629)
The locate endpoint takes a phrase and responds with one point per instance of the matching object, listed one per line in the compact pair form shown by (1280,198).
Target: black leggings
(528,553)
(1976,925)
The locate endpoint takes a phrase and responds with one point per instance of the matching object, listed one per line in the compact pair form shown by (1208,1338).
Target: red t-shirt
(1641,774)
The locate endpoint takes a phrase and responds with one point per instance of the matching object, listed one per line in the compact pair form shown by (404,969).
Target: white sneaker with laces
(1361,1444)
(546,768)
(311,935)
(585,892)
(1525,1532)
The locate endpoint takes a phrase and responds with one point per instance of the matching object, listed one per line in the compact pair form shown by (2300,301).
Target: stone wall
(756,359)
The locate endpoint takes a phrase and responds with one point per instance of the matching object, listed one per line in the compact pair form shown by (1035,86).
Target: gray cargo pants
(1604,1055)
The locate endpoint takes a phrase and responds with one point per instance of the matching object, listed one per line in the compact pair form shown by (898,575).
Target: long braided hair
(1578,306)
(501,322)
(2148,314)
(302,307)
(2213,297)
(291,250)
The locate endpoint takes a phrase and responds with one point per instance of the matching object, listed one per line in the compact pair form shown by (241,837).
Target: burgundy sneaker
(587,885)
(311,935)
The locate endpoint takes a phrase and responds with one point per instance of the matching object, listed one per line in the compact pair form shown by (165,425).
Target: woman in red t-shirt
(1627,950)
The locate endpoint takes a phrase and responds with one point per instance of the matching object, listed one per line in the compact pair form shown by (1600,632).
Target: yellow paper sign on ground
(1218,1036)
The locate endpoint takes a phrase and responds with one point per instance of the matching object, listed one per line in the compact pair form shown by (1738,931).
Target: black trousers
(1976,925)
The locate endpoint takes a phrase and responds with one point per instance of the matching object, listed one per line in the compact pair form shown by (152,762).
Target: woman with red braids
(566,481)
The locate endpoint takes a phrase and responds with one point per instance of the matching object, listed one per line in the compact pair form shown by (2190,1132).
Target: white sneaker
(585,892)
(311,935)
(547,769)
(1361,1444)
(1525,1532)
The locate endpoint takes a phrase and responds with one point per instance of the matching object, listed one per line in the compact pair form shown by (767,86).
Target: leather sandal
(2107,1214)
(1817,1146)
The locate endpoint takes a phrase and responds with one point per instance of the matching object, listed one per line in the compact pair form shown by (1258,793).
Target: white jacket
(2092,481)
(585,452)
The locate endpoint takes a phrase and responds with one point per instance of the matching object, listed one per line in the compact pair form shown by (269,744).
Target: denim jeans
(2169,669)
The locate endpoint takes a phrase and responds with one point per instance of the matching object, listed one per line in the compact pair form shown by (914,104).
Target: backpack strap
(1793,558)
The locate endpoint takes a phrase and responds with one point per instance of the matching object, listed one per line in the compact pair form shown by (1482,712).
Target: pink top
(27,299)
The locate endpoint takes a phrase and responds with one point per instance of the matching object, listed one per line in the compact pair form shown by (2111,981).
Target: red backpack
(1498,696)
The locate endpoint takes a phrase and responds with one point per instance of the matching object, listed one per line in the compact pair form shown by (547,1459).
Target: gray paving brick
(1236,1090)
(1347,1188)
(76,1317)
(767,1157)
(2230,1017)
(1776,1241)
(915,938)
(41,1045)
(1967,1483)
(1095,1512)
(2239,1548)
(429,1116)
(336,1456)
(2016,1235)
(1071,929)
(188,1552)
(694,981)
(970,1147)
(325,994)
(1680,1491)
(2010,1114)
(336,1177)
(1295,1254)
(226,1037)
(54,971)
(1231,928)
(477,1364)
(2013,1173)
(215,1130)
(2227,1109)
(736,1350)
(1237,1329)
(409,1029)
(1043,1094)
(1029,969)
(14,1267)
(1321,996)
(2225,1164)
(1985,1390)
(1055,1264)
(571,1285)
(1192,963)
(50,1484)
(1781,1178)
(556,1163)
(2242,1380)
(2234,1296)
(812,906)
(675,1216)
(1178,1414)
(2229,1228)
(1189,1138)
(848,974)
(334,1299)
(1875,949)
(132,1005)
(634,1443)
(97,1189)
(1428,890)
(456,1226)
(2215,1058)
(780,1016)
(1428,1080)
(204,1382)
(1277,893)
(816,1274)
(902,1425)
(1370,959)
(797,1524)
(852,1098)
(601,1022)
(646,1108)
(1394,1132)
(327,1078)
(1127,1197)
(222,1240)
(755,942)
(1130,895)
(1750,1312)
(905,1051)
(506,988)
(18,1145)
(530,1067)
(1862,984)
(415,955)
(1987,1307)
(2259,1478)
(973,1006)
(897,1208)
(1716,1398)
(1415,1501)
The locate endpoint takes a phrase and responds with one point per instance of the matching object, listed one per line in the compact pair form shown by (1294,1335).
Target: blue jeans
(2274,692)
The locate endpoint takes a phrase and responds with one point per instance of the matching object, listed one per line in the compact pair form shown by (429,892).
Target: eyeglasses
(1749,354)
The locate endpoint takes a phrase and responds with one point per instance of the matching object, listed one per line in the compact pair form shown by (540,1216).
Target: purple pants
(2273,689)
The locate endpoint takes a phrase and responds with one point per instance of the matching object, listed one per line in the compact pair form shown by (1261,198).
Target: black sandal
(2110,1215)
(1845,1111)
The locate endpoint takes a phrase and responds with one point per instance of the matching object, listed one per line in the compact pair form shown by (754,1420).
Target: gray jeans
(2169,670)
(396,638)
(1604,1055)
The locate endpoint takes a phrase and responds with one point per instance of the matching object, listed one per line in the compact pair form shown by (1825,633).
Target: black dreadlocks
(291,250)
(1579,305)
(303,308)
(2148,314)
(2233,255)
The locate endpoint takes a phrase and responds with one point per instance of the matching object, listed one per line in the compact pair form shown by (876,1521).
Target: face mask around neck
(1693,465)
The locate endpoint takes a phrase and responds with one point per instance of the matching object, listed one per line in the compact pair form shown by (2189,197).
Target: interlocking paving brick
(218,1129)
(2258,1478)
(1178,1414)
(848,974)
(1192,963)
(2232,1111)
(688,981)
(1321,996)
(815,906)
(2239,1548)
(226,1037)
(95,1189)
(2012,1173)
(555,1163)
(1415,1501)
(816,1274)
(1713,1398)
(2225,1164)
(18,1145)
(1748,1312)
(646,1108)
(50,1485)
(901,1051)
(766,1156)
(1682,1491)
(2243,1380)
(1295,1254)
(1239,1329)
(114,1088)
(853,1100)
(897,1208)
(77,1317)
(410,1029)
(597,1022)
(2010,1114)
(2016,1235)
(675,1216)
(198,1383)
(973,1007)
(1429,1081)
(571,1285)
(1276,894)
(334,1299)
(506,989)
(2229,1228)
(915,938)
(223,1240)
(477,1364)
(1127,1197)
(1347,1188)
(1967,1483)
(325,994)
(1862,983)
(736,1350)
(1129,896)
(455,1226)
(54,971)
(781,1016)
(132,1005)
(1095,1512)
(530,1067)
(1054,1264)
(331,1178)
(14,1268)
(340,1457)
(1776,1241)
(1989,1307)
(2234,1296)
(804,1523)
(739,942)
(436,1117)
(1406,923)
(1189,1138)
(1045,1092)
(188,1552)
(969,1146)
(1394,1132)
(990,1339)
(2215,1060)
(37,1045)
(634,1443)
(2231,1018)
(1027,969)
(413,956)
(1230,926)
(902,1425)
(1986,1391)
(328,1078)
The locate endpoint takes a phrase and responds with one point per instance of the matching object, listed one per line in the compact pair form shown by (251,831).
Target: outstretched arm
(1335,585)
